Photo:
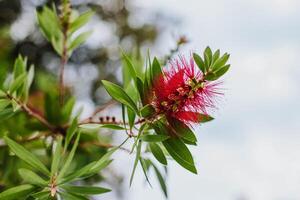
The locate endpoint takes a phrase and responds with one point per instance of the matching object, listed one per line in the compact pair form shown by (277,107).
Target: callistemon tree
(160,107)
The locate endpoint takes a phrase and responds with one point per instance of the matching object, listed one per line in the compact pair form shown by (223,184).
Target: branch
(32,113)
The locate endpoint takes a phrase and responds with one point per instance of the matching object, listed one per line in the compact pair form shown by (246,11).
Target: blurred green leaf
(119,94)
(69,159)
(147,111)
(56,157)
(137,157)
(81,21)
(161,180)
(31,177)
(26,156)
(18,192)
(80,39)
(85,189)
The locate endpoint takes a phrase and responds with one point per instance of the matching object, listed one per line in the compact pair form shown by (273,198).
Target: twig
(33,114)
(99,110)
(65,16)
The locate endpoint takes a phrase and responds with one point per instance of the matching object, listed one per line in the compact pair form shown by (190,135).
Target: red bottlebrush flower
(182,93)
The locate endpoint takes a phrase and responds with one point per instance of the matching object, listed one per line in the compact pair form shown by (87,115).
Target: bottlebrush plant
(46,153)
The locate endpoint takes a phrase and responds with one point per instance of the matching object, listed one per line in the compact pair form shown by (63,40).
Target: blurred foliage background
(114,25)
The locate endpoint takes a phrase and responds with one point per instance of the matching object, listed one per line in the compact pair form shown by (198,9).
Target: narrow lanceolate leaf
(72,196)
(4,103)
(199,62)
(181,154)
(86,190)
(129,66)
(119,94)
(161,180)
(145,168)
(222,71)
(156,69)
(71,132)
(182,130)
(41,195)
(220,62)
(26,156)
(69,159)
(154,138)
(19,192)
(17,83)
(80,39)
(207,57)
(137,157)
(90,168)
(131,117)
(56,157)
(31,177)
(80,21)
(158,153)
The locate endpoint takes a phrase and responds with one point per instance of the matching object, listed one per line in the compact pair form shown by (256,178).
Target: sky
(251,150)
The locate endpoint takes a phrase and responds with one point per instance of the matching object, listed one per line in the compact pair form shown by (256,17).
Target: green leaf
(145,168)
(207,57)
(158,153)
(17,83)
(147,111)
(119,94)
(176,148)
(26,156)
(71,132)
(154,138)
(137,157)
(41,195)
(161,180)
(215,56)
(68,108)
(49,23)
(91,168)
(56,157)
(220,62)
(199,62)
(182,130)
(16,193)
(69,159)
(140,88)
(19,66)
(2,94)
(4,103)
(156,69)
(129,66)
(80,39)
(71,196)
(31,177)
(89,190)
(222,71)
(181,154)
(81,21)
(131,117)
